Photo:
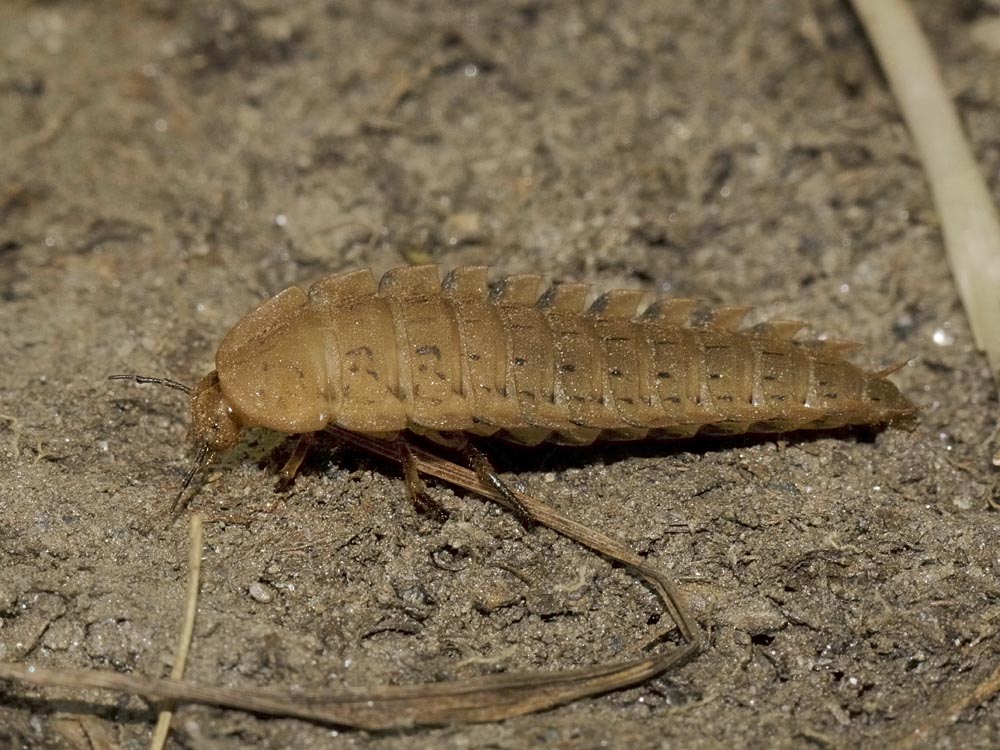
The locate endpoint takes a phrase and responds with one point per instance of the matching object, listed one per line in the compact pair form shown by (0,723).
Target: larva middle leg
(421,498)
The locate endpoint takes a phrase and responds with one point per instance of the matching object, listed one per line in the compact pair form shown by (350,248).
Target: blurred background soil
(166,166)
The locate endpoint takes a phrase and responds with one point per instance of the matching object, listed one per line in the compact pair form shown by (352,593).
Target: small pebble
(260,592)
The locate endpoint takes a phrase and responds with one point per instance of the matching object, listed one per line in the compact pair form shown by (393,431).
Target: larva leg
(480,464)
(415,486)
(303,444)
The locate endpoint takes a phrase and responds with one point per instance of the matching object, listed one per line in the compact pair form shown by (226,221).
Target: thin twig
(187,627)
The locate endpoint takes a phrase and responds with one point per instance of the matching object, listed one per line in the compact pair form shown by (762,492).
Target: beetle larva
(414,354)
(461,358)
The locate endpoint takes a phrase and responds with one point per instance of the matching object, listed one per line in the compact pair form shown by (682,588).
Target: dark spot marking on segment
(429,349)
(662,375)
(360,350)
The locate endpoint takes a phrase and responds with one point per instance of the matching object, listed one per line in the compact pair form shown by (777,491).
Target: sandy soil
(166,166)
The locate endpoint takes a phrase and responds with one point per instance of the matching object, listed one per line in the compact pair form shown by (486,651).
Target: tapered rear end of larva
(714,378)
(848,395)
(888,406)
(803,386)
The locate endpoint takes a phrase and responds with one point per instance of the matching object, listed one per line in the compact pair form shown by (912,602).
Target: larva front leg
(292,465)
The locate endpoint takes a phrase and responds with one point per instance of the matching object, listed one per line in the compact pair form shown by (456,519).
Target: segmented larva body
(413,353)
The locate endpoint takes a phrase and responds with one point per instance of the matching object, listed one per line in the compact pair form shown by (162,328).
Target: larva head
(215,427)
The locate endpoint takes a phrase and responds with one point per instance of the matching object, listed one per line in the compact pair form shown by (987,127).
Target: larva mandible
(414,354)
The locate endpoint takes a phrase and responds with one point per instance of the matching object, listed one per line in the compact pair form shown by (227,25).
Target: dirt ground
(165,166)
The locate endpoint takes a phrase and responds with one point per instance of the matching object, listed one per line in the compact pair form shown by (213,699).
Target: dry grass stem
(187,626)
(969,219)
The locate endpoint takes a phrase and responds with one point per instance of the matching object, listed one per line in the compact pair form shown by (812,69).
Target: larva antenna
(143,379)
(203,456)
